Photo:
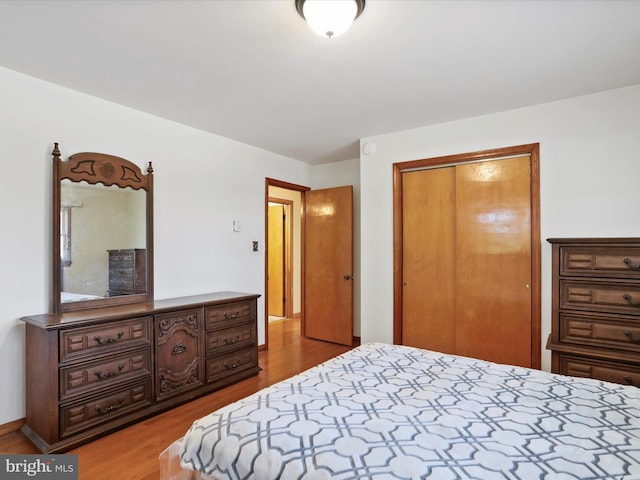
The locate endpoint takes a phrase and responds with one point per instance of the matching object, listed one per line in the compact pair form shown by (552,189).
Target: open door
(328,265)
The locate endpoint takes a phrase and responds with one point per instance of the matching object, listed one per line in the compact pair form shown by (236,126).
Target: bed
(385,411)
(66,297)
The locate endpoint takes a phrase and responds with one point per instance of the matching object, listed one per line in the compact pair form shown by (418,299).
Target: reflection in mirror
(102,241)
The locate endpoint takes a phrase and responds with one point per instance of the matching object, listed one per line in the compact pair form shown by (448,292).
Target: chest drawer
(602,296)
(220,367)
(104,338)
(104,408)
(600,370)
(600,331)
(222,341)
(86,377)
(122,279)
(223,316)
(594,261)
(121,258)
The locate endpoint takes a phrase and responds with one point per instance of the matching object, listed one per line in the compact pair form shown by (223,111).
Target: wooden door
(493,267)
(466,260)
(429,283)
(276,264)
(328,265)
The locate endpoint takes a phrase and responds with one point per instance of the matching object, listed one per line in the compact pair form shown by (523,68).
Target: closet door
(467,260)
(429,282)
(493,224)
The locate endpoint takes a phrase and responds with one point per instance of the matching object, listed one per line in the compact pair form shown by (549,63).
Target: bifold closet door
(467,260)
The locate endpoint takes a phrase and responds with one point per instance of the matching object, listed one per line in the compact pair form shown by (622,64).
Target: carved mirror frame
(108,170)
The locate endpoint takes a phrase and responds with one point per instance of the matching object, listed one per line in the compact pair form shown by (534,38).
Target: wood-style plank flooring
(132,453)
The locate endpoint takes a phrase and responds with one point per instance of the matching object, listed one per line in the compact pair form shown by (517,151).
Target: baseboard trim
(11,427)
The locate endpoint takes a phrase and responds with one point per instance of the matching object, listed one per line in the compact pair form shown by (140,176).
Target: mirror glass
(103,235)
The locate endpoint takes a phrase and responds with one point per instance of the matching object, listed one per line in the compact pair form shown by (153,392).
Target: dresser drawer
(614,262)
(104,338)
(223,316)
(83,378)
(223,341)
(220,367)
(608,371)
(602,297)
(102,409)
(600,331)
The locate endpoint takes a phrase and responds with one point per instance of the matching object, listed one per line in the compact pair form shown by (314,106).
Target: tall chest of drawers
(127,271)
(94,371)
(595,325)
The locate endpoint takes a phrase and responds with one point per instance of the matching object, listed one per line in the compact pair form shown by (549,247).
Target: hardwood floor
(132,453)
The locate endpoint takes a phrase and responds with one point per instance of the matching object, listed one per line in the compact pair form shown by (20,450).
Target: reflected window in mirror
(65,236)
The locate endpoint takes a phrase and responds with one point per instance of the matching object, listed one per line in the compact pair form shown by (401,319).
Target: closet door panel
(493,261)
(429,274)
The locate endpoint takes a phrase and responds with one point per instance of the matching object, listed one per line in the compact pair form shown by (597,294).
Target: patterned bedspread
(393,412)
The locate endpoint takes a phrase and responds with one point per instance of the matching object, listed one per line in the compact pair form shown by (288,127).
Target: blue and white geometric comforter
(394,412)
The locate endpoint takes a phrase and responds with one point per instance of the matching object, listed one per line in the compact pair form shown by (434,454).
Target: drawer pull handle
(629,334)
(106,341)
(232,366)
(102,376)
(231,316)
(628,379)
(630,300)
(111,408)
(178,349)
(232,341)
(629,263)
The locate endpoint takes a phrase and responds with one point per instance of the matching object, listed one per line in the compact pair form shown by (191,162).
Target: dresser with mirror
(109,354)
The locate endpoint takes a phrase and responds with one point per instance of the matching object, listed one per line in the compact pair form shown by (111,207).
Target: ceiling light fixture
(330,18)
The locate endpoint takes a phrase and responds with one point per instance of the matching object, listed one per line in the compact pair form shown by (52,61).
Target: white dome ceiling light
(329,18)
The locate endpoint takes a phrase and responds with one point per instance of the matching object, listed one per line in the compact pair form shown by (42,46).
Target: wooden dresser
(595,326)
(127,271)
(90,372)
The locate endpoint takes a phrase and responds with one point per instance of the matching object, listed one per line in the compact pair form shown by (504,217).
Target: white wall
(589,183)
(202,183)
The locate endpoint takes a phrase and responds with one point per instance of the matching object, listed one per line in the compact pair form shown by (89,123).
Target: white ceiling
(253,71)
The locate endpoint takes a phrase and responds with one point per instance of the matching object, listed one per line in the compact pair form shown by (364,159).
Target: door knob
(347,277)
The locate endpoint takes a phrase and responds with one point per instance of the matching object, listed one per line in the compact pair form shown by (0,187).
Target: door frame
(533,151)
(272,182)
